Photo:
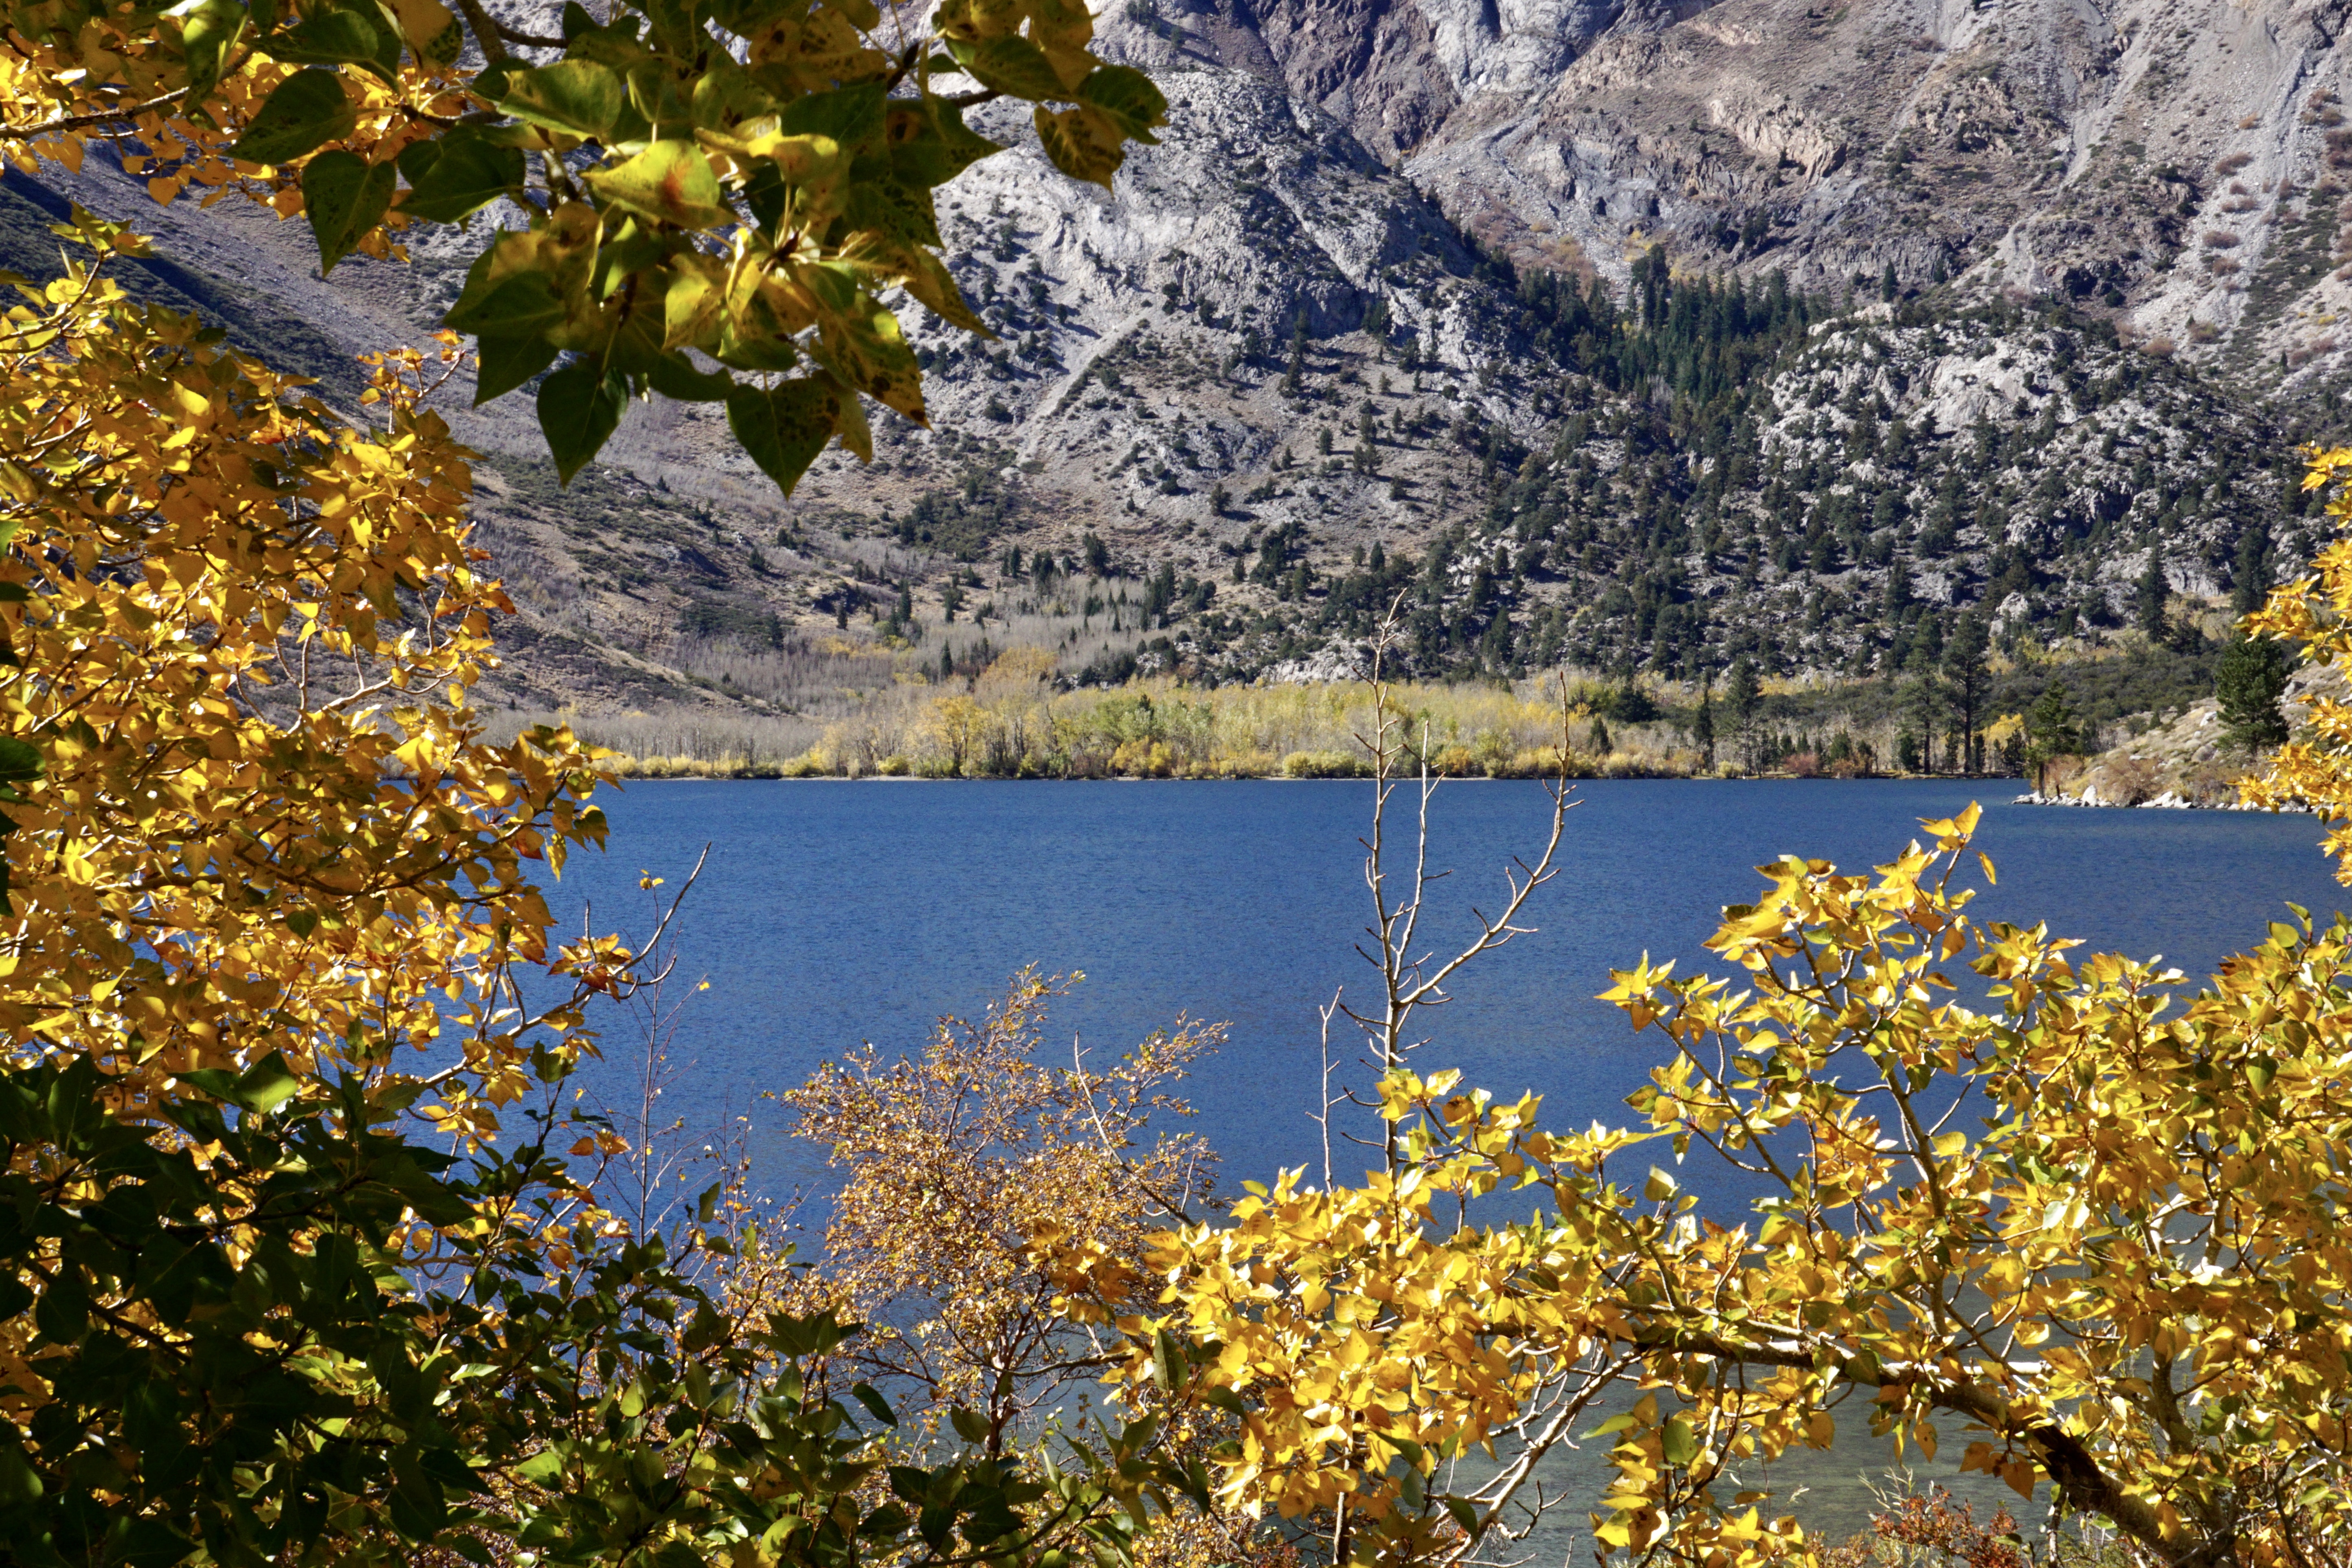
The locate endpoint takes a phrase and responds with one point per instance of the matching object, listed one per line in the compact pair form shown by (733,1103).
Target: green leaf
(576,96)
(18,761)
(726,96)
(334,38)
(930,143)
(1126,96)
(783,429)
(969,1426)
(674,24)
(543,1467)
(469,173)
(63,1311)
(901,213)
(345,196)
(852,116)
(308,110)
(1167,1363)
(207,33)
(866,1393)
(20,1484)
(1013,66)
(670,181)
(888,1522)
(1681,1443)
(508,363)
(655,93)
(268,1084)
(520,305)
(674,376)
(579,408)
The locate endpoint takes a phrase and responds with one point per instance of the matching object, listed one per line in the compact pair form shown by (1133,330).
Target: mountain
(1641,336)
(2175,163)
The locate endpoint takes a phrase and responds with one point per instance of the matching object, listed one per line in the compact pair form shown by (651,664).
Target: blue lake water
(832,913)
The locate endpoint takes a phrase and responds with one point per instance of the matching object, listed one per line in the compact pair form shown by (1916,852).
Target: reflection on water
(833,913)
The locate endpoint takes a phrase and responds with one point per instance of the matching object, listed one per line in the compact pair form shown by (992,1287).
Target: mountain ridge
(1296,339)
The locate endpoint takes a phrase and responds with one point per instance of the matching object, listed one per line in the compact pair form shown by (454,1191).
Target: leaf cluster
(257,850)
(716,195)
(2095,1227)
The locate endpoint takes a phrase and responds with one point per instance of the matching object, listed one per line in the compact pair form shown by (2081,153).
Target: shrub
(1453,762)
(1325,765)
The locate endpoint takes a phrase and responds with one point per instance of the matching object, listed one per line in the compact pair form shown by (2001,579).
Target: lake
(832,913)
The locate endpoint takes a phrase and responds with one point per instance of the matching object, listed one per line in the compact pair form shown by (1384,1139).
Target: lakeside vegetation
(867,713)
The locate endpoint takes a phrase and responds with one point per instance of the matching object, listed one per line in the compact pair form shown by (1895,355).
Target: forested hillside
(1233,409)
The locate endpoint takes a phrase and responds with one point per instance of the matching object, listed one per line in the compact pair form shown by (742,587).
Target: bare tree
(1415,975)
(1506,1504)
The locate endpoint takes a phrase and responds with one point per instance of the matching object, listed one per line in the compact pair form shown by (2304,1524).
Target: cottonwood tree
(274,1286)
(2094,1223)
(715,196)
(951,1161)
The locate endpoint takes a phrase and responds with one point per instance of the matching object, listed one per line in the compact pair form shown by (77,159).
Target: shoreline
(2089,800)
(761,775)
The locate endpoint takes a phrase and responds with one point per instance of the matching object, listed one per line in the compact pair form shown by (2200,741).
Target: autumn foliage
(2090,1219)
(713,195)
(300,1256)
(242,633)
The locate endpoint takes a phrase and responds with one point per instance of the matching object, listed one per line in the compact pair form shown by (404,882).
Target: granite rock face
(2174,159)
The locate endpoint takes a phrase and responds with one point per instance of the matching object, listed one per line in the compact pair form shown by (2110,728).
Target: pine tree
(1898,588)
(2155,588)
(1889,286)
(2251,579)
(2052,729)
(1703,729)
(2250,681)
(1968,670)
(1743,693)
(1926,703)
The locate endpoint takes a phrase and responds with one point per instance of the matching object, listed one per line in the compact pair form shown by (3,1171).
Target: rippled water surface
(832,913)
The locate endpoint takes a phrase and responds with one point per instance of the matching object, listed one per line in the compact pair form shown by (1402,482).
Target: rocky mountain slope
(1537,320)
(2175,162)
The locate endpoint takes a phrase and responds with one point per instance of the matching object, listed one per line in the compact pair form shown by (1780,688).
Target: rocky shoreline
(2167,800)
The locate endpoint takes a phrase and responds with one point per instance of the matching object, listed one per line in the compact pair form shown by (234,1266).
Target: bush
(1325,765)
(1142,759)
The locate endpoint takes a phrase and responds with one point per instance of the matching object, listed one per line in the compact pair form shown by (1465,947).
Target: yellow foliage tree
(951,1161)
(259,853)
(2315,768)
(2097,1226)
(242,633)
